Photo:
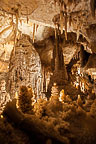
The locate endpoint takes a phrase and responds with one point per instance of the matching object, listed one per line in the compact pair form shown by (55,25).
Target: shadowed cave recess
(48,72)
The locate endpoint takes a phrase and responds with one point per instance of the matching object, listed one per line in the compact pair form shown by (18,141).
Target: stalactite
(66,26)
(27,19)
(58,27)
(21,22)
(33,32)
(61,21)
(55,3)
(44,80)
(15,32)
(62,6)
(78,34)
(5,55)
(77,28)
(70,20)
(3,45)
(27,15)
(92,7)
(37,27)
(17,16)
(57,64)
(55,31)
(12,17)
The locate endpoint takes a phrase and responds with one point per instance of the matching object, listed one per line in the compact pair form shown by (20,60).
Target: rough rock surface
(25,67)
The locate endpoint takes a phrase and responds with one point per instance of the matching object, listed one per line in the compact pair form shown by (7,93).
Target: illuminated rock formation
(60,73)
(24,68)
(54,92)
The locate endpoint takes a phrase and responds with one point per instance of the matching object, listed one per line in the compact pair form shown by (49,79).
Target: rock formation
(24,68)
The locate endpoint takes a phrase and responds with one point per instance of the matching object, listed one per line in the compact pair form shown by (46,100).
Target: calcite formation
(54,92)
(24,68)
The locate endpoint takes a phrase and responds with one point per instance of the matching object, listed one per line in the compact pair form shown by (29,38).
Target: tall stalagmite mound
(25,67)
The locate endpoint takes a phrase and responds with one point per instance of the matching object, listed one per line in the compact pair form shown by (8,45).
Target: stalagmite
(25,67)
(25,100)
(4,96)
(79,101)
(54,92)
(62,96)
(17,99)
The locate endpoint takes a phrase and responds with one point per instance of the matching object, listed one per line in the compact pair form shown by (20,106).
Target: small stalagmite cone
(79,101)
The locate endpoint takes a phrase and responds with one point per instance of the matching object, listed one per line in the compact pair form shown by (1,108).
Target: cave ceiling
(81,27)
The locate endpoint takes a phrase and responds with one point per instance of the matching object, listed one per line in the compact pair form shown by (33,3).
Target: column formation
(25,68)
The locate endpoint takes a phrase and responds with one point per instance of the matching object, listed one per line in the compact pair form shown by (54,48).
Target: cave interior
(48,72)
